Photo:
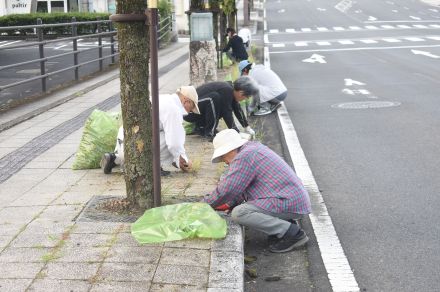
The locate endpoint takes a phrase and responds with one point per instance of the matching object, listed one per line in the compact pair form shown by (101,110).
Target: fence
(105,48)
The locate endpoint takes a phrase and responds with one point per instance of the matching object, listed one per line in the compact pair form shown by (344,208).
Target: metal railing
(165,26)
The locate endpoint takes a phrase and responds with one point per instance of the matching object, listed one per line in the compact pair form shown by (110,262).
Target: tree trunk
(136,106)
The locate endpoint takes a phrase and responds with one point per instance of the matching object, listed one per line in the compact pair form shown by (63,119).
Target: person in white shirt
(271,89)
(172,108)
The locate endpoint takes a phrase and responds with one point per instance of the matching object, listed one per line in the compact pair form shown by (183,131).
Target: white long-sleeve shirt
(172,133)
(269,84)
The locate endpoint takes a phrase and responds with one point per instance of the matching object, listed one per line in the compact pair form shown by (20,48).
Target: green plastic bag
(189,127)
(226,61)
(99,136)
(179,221)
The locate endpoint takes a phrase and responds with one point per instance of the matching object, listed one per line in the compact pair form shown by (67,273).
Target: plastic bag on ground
(99,137)
(179,221)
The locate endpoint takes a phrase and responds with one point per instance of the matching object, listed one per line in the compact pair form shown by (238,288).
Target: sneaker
(108,162)
(164,172)
(272,239)
(274,107)
(289,241)
(262,112)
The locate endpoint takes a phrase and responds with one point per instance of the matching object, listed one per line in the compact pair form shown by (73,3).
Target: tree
(136,107)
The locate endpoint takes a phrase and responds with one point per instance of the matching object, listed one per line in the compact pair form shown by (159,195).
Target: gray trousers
(268,222)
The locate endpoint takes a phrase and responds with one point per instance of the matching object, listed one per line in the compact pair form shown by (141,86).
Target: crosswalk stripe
(420,26)
(290,30)
(306,29)
(322,28)
(414,39)
(273,30)
(368,41)
(391,40)
(354,27)
(346,42)
(371,27)
(387,26)
(403,26)
(323,43)
(338,28)
(301,44)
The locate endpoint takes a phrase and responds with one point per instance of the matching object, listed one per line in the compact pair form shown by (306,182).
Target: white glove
(249,130)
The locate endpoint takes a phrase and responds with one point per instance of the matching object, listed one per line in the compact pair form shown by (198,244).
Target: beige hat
(225,141)
(191,93)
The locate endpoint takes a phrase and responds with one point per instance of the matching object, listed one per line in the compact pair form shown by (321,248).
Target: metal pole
(246,12)
(75,47)
(154,79)
(101,67)
(112,43)
(41,51)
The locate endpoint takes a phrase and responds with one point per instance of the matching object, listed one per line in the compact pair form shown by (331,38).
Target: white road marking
(420,26)
(338,268)
(346,42)
(322,28)
(403,26)
(424,53)
(351,82)
(371,27)
(354,27)
(433,10)
(306,29)
(323,43)
(435,25)
(415,17)
(395,11)
(266,38)
(338,28)
(281,10)
(368,41)
(9,43)
(390,2)
(278,45)
(321,9)
(391,40)
(348,91)
(372,18)
(435,38)
(387,26)
(344,5)
(274,31)
(300,44)
(363,91)
(290,30)
(265,25)
(414,39)
(356,49)
(315,58)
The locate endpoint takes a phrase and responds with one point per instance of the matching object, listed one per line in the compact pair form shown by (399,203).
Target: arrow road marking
(424,53)
(315,58)
(350,82)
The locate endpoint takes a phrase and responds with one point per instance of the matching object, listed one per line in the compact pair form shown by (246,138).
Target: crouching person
(172,108)
(261,189)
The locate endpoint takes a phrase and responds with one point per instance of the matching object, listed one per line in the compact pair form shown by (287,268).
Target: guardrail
(101,35)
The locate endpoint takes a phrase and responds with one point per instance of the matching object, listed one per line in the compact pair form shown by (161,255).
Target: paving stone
(79,254)
(181,275)
(196,243)
(233,240)
(32,199)
(70,271)
(126,272)
(121,286)
(185,256)
(85,240)
(133,254)
(8,228)
(20,270)
(223,290)
(60,213)
(36,240)
(19,214)
(23,255)
(226,270)
(101,227)
(14,285)
(50,285)
(126,239)
(176,288)
(5,239)
(73,198)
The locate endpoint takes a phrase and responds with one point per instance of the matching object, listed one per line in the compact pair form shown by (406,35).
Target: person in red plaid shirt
(260,190)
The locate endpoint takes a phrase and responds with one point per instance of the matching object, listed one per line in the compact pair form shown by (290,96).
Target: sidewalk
(47,243)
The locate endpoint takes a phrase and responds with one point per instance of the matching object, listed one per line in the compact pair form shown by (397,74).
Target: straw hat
(225,141)
(191,93)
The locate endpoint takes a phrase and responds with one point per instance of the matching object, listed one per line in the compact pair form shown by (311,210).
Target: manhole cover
(366,104)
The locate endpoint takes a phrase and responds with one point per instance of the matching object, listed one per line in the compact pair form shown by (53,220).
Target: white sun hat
(225,141)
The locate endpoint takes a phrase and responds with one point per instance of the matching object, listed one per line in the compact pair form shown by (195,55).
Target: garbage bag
(189,127)
(179,221)
(226,61)
(99,137)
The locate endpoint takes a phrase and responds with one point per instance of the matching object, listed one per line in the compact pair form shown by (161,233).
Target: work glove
(250,131)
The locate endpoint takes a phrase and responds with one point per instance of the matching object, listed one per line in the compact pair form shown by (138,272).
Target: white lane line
(300,44)
(414,39)
(387,26)
(322,28)
(371,27)
(346,42)
(290,30)
(9,43)
(403,26)
(363,91)
(338,28)
(435,38)
(368,41)
(396,21)
(265,25)
(357,49)
(274,31)
(339,272)
(435,25)
(266,38)
(390,40)
(354,27)
(278,45)
(323,43)
(414,17)
(306,29)
(420,26)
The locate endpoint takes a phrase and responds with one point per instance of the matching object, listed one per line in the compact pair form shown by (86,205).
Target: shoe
(274,107)
(289,241)
(164,172)
(108,162)
(272,239)
(262,112)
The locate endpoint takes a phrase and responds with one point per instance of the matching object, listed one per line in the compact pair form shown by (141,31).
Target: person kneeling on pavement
(172,108)
(272,90)
(261,189)
(218,100)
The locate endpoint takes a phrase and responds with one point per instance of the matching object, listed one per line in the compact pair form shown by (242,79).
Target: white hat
(224,142)
(191,93)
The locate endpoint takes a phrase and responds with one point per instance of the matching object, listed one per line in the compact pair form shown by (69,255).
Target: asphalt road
(20,93)
(363,81)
